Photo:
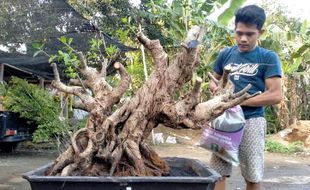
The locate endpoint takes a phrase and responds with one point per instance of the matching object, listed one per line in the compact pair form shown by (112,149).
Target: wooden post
(66,108)
(1,82)
(1,72)
(143,58)
(41,82)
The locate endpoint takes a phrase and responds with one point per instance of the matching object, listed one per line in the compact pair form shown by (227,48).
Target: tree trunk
(114,143)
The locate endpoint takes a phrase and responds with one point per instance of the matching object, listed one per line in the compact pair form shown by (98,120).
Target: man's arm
(272,95)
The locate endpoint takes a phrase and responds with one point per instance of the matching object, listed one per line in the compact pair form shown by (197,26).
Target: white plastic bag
(171,140)
(223,135)
(158,138)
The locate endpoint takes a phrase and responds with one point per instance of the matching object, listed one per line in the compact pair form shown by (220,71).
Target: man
(261,68)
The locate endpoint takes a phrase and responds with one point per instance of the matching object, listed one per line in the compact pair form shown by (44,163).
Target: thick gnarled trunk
(114,143)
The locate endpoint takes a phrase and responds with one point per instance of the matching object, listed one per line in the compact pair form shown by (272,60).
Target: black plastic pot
(202,178)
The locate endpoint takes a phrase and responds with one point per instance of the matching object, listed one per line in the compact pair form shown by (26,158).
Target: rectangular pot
(202,178)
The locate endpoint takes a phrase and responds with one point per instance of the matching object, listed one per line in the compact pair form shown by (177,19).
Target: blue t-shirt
(253,68)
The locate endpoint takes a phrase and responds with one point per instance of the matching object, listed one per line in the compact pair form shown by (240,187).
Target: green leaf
(222,2)
(294,66)
(70,40)
(71,75)
(63,39)
(301,50)
(124,20)
(304,27)
(37,53)
(61,53)
(228,14)
(70,70)
(36,45)
(66,58)
(111,50)
(52,58)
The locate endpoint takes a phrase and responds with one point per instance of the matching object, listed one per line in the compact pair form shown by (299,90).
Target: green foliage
(216,38)
(108,15)
(176,18)
(2,89)
(135,70)
(36,105)
(273,146)
(292,44)
(228,14)
(67,56)
(272,120)
(38,47)
(111,51)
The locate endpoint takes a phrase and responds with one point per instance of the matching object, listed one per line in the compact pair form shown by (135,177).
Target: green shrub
(273,146)
(272,120)
(37,105)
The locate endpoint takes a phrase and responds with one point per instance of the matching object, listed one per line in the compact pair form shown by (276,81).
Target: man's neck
(248,51)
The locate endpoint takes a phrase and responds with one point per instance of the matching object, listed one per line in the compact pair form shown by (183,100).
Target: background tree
(288,37)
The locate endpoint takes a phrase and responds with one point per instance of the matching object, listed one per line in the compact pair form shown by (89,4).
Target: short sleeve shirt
(251,67)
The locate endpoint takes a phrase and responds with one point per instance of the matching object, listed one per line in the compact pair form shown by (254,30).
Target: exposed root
(133,153)
(116,157)
(153,160)
(61,162)
(68,169)
(79,140)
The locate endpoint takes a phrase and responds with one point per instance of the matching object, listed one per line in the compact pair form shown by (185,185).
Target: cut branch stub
(124,84)
(160,57)
(55,72)
(83,64)
(104,64)
(191,99)
(225,76)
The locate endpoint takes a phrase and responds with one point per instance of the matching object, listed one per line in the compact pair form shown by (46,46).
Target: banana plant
(228,13)
(293,47)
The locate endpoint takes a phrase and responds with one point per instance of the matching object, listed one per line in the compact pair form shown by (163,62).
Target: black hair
(251,15)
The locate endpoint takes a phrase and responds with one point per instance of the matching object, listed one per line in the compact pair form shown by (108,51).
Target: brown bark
(113,143)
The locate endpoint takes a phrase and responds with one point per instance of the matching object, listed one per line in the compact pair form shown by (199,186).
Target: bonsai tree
(113,142)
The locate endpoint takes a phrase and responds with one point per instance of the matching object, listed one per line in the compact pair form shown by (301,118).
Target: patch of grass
(274,146)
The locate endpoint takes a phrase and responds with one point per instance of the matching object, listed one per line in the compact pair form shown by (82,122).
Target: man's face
(246,36)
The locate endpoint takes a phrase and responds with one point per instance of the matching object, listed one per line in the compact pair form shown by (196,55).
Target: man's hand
(223,98)
(213,85)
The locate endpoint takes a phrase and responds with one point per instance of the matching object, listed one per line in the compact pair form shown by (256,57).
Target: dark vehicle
(13,130)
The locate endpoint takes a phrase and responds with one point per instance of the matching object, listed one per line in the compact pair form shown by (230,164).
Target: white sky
(296,8)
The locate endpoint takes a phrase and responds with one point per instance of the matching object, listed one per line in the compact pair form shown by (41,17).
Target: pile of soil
(299,131)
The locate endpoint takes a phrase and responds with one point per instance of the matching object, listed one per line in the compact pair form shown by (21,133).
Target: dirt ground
(283,172)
